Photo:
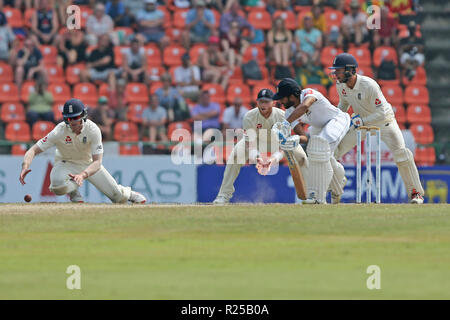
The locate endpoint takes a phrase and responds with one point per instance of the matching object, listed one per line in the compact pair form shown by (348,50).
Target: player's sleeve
(343,103)
(377,103)
(49,140)
(311,93)
(96,142)
(247,126)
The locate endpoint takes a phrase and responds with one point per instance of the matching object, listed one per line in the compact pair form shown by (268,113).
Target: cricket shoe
(336,198)
(75,196)
(416,197)
(312,199)
(136,197)
(221,200)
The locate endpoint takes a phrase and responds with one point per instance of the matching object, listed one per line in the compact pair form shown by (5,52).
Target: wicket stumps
(368,130)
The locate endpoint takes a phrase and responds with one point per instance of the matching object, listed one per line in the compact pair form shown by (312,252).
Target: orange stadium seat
(384,53)
(178,125)
(393,94)
(195,51)
(172,55)
(61,92)
(362,55)
(12,112)
(179,18)
(26,90)
(217,16)
(19,149)
(418,114)
(167,17)
(400,113)
(318,87)
(416,94)
(333,18)
(237,78)
(327,56)
(126,131)
(155,72)
(333,95)
(174,34)
(216,92)
(119,51)
(57,111)
(73,73)
(49,54)
(129,150)
(85,13)
(403,31)
(423,133)
(134,112)
(27,17)
(298,8)
(86,92)
(425,156)
(290,19)
(153,55)
(18,131)
(365,71)
(55,74)
(260,19)
(6,72)
(258,87)
(14,17)
(254,52)
(40,129)
(242,91)
(9,92)
(155,86)
(419,79)
(137,92)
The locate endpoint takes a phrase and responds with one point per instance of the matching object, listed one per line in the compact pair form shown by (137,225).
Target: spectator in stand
(199,25)
(233,46)
(396,7)
(387,34)
(44,23)
(213,64)
(233,116)
(154,119)
(71,48)
(182,4)
(104,117)
(150,25)
(7,38)
(278,5)
(215,4)
(319,21)
(135,63)
(28,62)
(171,99)
(308,43)
(117,99)
(40,102)
(411,52)
(279,41)
(208,113)
(233,16)
(17,4)
(353,27)
(187,78)
(116,10)
(98,24)
(100,66)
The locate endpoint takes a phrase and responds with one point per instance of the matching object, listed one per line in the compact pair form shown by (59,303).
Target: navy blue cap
(266,94)
(344,60)
(285,88)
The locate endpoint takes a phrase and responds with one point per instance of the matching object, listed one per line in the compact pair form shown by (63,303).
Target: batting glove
(291,143)
(357,121)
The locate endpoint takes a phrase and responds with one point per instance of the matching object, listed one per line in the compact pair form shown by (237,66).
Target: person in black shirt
(28,62)
(100,66)
(44,23)
(71,48)
(411,51)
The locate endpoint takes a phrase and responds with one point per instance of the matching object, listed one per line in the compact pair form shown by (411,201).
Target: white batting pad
(408,170)
(337,181)
(320,170)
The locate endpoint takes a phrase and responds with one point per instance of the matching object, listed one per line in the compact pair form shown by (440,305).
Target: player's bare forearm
(94,166)
(299,130)
(301,109)
(29,156)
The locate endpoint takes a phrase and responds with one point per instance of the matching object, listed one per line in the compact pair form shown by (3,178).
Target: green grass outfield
(224,252)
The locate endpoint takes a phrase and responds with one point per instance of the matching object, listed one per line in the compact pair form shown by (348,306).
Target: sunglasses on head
(74,118)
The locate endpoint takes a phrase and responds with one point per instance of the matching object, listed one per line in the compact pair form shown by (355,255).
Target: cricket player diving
(79,154)
(371,109)
(259,138)
(328,126)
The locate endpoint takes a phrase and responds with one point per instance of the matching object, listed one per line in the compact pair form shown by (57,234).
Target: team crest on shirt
(259,126)
(344,92)
(45,139)
(377,102)
(84,140)
(68,140)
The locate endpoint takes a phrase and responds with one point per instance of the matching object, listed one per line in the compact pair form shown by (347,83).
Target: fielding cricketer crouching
(79,154)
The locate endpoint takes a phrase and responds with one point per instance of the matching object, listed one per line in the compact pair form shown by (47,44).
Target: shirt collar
(356,87)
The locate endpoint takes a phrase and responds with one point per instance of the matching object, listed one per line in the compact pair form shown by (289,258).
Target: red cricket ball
(27,198)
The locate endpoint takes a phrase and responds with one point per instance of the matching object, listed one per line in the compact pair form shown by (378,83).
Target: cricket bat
(296,174)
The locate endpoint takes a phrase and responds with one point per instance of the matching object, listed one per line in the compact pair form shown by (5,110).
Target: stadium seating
(260,19)
(423,133)
(134,112)
(55,74)
(19,149)
(6,72)
(215,91)
(327,56)
(18,131)
(333,95)
(86,92)
(26,90)
(319,88)
(333,18)
(290,20)
(9,92)
(14,17)
(57,111)
(234,91)
(127,149)
(137,92)
(11,111)
(179,18)
(384,53)
(400,113)
(61,92)
(178,125)
(172,55)
(40,129)
(73,73)
(393,94)
(416,94)
(126,131)
(418,114)
(49,54)
(153,55)
(362,55)
(258,87)
(419,79)
(425,156)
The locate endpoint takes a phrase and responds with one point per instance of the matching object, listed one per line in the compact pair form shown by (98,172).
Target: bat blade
(296,174)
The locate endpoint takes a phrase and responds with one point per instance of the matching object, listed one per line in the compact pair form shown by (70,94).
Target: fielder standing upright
(372,109)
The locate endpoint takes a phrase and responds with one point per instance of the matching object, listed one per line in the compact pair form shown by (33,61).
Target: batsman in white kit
(328,126)
(79,154)
(371,109)
(259,138)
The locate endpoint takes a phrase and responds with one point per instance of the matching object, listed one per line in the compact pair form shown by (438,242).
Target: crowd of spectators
(227,33)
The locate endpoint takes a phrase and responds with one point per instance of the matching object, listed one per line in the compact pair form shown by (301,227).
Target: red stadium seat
(327,56)
(119,52)
(333,95)
(418,114)
(216,92)
(425,156)
(9,92)
(57,111)
(195,52)
(85,13)
(318,87)
(174,34)
(126,131)
(179,18)
(19,149)
(400,113)
(416,94)
(18,131)
(423,133)
(242,91)
(40,129)
(155,72)
(86,92)
(60,92)
(333,19)
(55,74)
(6,72)
(290,20)
(167,17)
(260,19)
(73,73)
(384,53)
(153,55)
(137,92)
(178,125)
(49,54)
(14,17)
(12,112)
(258,87)
(365,71)
(27,17)
(134,112)
(129,150)
(172,55)
(155,86)
(26,90)
(419,79)
(362,55)
(393,94)
(237,78)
